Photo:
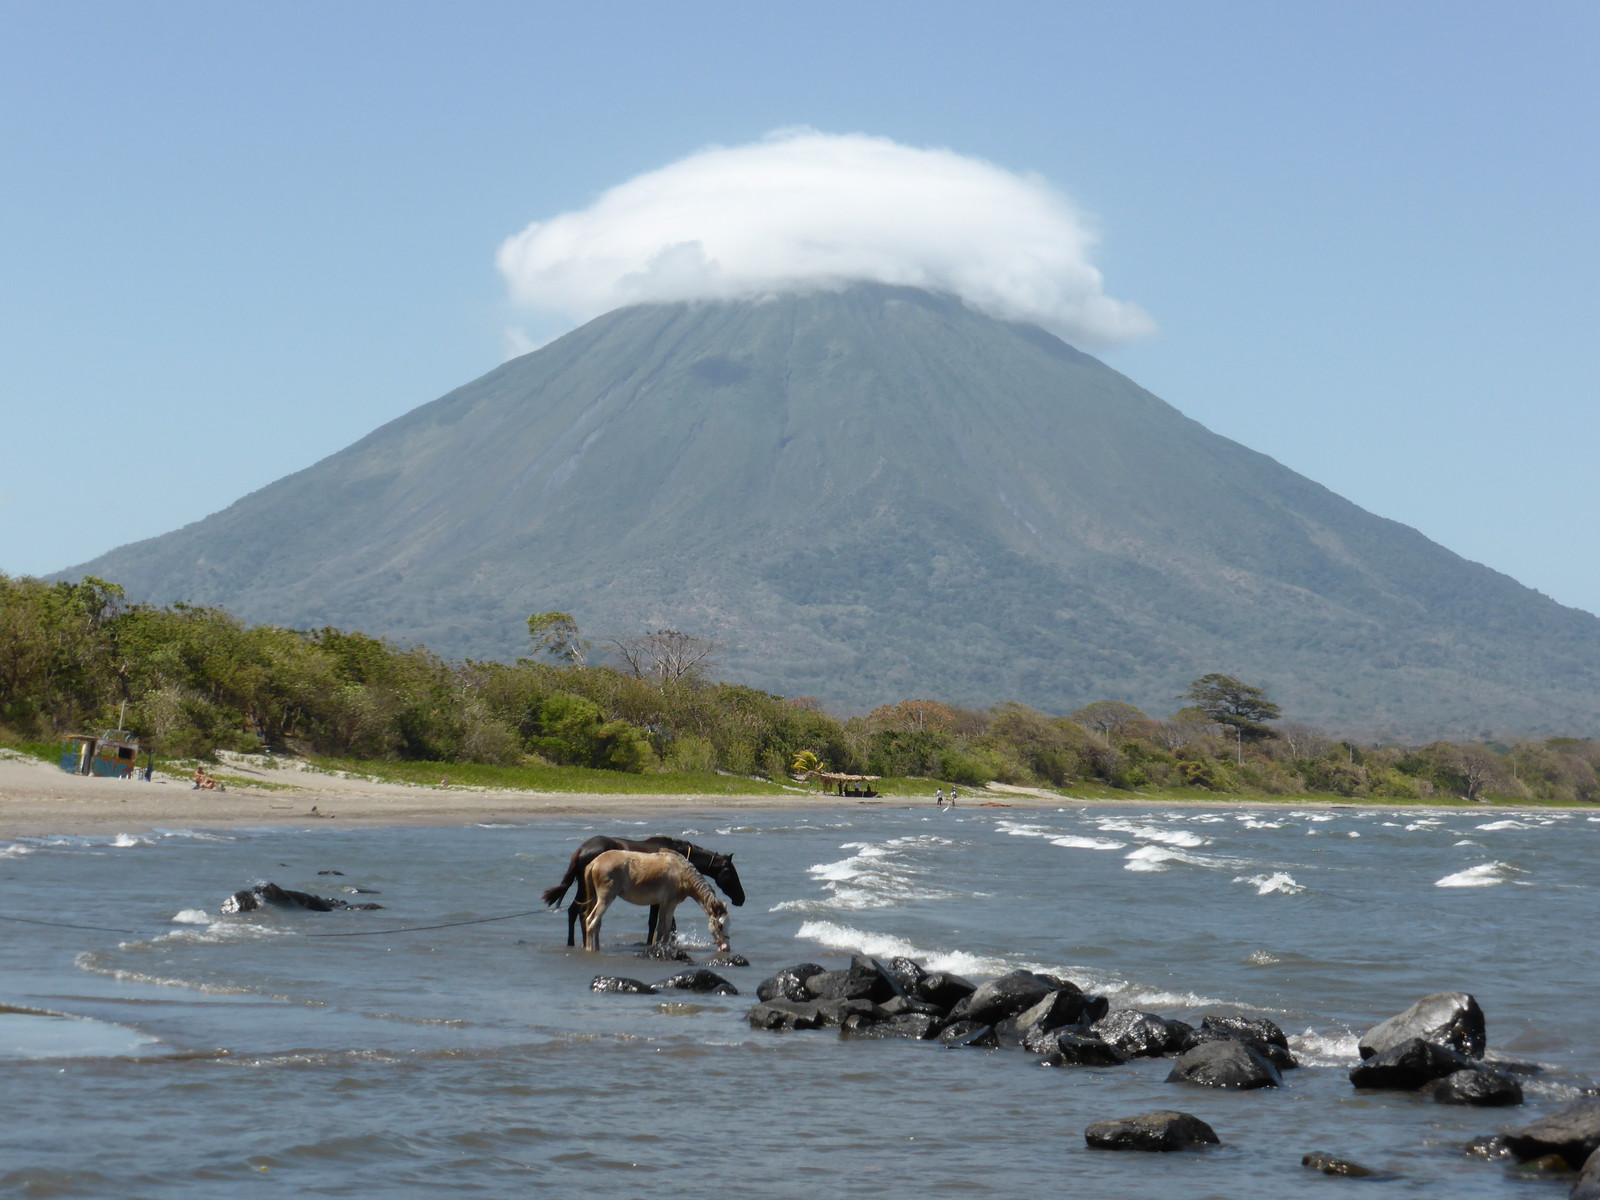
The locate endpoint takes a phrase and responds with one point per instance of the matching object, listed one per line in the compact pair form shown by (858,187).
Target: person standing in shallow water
(952,797)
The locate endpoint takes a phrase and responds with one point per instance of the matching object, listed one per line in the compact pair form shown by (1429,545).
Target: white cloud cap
(803,210)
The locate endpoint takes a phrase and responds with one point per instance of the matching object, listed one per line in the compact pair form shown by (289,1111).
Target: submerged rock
(1225,1064)
(780,1015)
(621,985)
(1275,1054)
(1162,1130)
(1075,1049)
(1250,1029)
(1408,1065)
(912,1026)
(1477,1086)
(1328,1165)
(699,980)
(727,958)
(1447,1018)
(1573,1133)
(661,953)
(969,1033)
(270,895)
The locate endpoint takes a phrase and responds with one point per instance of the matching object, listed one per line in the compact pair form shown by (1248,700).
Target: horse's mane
(701,889)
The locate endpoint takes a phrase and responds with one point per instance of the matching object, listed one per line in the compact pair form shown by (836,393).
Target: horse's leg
(664,926)
(651,925)
(591,920)
(580,901)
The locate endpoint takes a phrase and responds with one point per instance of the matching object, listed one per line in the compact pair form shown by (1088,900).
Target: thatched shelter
(847,785)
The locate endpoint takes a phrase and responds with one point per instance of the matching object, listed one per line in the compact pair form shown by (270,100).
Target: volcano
(876,493)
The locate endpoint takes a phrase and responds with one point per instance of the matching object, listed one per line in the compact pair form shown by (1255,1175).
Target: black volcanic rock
(1225,1064)
(1163,1130)
(1447,1018)
(1408,1065)
(828,483)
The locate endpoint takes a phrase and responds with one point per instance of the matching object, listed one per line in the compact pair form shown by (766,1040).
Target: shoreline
(38,799)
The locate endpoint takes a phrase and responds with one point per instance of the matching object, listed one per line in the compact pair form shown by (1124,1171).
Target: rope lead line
(349,933)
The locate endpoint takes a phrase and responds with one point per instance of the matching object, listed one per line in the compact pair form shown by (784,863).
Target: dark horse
(716,867)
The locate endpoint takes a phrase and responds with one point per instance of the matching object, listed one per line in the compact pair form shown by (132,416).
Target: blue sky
(237,237)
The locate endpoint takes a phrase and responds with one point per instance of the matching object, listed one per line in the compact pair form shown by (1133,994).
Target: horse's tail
(552,895)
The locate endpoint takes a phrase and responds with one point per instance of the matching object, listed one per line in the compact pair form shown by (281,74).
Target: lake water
(273,1054)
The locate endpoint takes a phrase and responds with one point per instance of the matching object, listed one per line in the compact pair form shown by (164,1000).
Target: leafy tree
(1227,701)
(555,637)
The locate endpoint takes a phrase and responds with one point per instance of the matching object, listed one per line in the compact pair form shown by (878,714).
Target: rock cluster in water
(1436,1047)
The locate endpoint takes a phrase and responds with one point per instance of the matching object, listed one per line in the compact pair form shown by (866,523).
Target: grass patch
(49,752)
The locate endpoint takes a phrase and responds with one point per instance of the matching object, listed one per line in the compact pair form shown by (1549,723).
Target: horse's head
(724,875)
(717,912)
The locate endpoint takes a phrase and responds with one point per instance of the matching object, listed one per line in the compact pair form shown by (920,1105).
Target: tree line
(189,680)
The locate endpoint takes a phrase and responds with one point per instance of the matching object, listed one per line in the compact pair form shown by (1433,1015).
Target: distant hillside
(874,494)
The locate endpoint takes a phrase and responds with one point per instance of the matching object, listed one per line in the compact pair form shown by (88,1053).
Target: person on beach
(938,797)
(952,796)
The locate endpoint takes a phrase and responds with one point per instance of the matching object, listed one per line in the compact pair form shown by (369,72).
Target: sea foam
(1154,833)
(1483,875)
(1278,883)
(1070,842)
(883,945)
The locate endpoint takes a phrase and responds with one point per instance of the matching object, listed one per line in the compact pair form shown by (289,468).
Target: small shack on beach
(847,785)
(112,755)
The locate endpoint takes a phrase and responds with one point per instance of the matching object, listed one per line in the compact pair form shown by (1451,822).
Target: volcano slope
(875,493)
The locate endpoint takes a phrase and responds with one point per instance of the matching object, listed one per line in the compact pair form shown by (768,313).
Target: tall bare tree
(666,655)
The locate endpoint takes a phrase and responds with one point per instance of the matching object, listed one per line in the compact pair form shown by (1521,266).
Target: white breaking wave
(16,850)
(1483,875)
(1279,883)
(1154,833)
(1497,825)
(1161,858)
(884,945)
(877,874)
(1066,841)
(192,916)
(124,840)
(1070,842)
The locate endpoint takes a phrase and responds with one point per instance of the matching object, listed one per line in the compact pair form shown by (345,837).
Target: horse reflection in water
(663,878)
(717,867)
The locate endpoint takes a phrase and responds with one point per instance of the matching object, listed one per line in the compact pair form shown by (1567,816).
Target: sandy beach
(38,799)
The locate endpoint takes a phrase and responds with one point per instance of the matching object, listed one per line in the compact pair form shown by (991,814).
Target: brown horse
(716,867)
(662,878)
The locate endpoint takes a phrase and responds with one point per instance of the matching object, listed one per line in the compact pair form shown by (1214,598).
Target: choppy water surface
(185,1053)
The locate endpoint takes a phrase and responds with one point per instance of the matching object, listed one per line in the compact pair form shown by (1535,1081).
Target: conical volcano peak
(870,492)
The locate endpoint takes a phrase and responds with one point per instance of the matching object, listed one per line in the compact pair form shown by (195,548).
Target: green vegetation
(191,681)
